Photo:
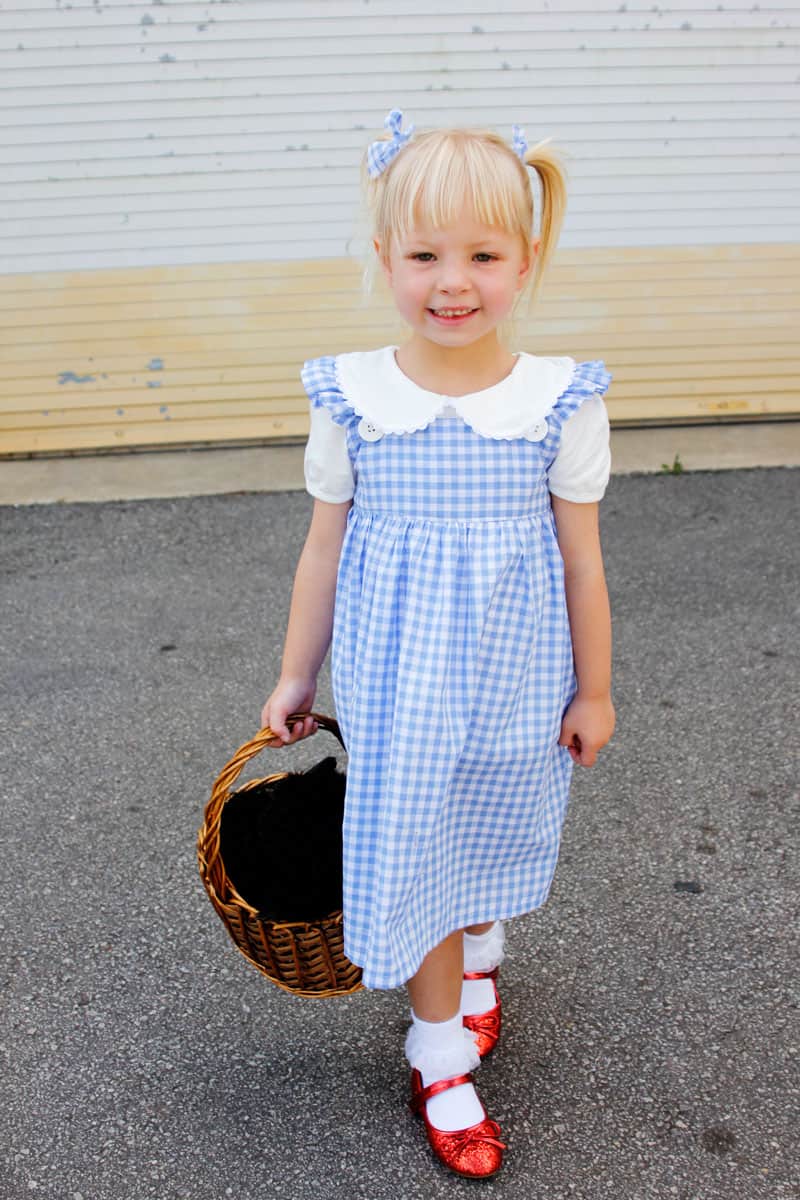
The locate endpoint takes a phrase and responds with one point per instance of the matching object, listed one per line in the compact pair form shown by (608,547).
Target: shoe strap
(495,971)
(433,1089)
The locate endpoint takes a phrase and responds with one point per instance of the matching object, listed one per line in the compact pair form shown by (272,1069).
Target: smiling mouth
(452,312)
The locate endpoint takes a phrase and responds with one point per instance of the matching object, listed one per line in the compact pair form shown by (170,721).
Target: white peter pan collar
(389,402)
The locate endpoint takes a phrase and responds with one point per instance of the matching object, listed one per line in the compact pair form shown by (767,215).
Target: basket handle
(231,771)
(324,722)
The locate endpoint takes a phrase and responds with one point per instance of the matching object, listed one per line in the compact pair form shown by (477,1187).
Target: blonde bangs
(443,172)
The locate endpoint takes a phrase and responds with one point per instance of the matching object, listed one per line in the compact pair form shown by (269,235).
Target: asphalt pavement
(651,1046)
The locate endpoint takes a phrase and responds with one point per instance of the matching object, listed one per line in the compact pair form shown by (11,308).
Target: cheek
(500,292)
(409,290)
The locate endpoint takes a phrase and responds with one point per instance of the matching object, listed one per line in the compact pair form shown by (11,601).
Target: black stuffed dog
(281,844)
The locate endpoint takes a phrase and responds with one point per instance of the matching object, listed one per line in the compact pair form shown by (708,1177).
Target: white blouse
(374,384)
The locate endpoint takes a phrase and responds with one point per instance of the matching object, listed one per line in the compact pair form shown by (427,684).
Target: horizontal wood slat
(161,356)
(151,433)
(269,381)
(702,297)
(643,263)
(196,10)
(76,18)
(238,404)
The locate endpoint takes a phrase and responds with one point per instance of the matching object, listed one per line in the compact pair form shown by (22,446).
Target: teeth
(452,312)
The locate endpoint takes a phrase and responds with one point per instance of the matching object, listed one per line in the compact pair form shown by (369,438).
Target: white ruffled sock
(439,1050)
(482,952)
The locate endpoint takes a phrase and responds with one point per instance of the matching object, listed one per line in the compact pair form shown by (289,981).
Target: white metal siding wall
(137,134)
(178,185)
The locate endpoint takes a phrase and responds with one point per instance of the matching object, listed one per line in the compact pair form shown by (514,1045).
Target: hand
(587,726)
(290,696)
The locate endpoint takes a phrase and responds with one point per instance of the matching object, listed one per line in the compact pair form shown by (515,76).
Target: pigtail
(549,165)
(372,222)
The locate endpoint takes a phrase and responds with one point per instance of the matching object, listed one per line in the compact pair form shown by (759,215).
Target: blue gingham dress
(452,667)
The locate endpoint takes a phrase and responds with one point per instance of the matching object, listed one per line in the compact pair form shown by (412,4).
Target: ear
(529,261)
(383,259)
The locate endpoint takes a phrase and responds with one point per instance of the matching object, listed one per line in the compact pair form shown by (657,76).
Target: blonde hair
(438,172)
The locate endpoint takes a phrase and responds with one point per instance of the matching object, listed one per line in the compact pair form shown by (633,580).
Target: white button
(368,431)
(538,432)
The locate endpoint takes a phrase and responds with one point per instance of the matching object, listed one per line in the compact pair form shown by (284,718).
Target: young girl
(454,559)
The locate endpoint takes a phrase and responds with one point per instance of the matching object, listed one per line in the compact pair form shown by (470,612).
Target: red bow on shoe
(487,1134)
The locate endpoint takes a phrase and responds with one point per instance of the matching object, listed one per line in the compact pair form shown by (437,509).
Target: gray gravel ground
(651,1041)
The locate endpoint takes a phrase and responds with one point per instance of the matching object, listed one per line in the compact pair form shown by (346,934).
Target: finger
(300,729)
(266,723)
(305,727)
(282,731)
(588,756)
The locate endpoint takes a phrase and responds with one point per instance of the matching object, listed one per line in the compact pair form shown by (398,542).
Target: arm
(589,721)
(308,633)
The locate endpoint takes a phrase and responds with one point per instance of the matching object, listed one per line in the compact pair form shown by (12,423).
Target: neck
(455,370)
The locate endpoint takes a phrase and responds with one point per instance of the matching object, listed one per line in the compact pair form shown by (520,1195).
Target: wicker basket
(303,957)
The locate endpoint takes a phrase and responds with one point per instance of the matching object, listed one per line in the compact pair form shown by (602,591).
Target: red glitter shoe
(486,1025)
(477,1151)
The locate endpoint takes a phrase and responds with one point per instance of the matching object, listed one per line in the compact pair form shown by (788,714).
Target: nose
(453,278)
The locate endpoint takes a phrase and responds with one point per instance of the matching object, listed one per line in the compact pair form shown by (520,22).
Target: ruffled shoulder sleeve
(588,379)
(328,469)
(581,463)
(322,387)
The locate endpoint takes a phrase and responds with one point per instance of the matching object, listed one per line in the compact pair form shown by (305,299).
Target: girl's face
(454,286)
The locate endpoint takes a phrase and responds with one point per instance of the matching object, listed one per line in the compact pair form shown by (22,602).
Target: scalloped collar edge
(373,385)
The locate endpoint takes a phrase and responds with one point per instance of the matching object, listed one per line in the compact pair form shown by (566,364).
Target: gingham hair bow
(380,154)
(519,142)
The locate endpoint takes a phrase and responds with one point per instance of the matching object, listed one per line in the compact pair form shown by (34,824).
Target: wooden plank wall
(165,356)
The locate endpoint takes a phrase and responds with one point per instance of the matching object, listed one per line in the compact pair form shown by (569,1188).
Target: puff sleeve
(328,471)
(581,468)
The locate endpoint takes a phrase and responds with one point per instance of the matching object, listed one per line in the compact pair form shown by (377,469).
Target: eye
(423,256)
(484,256)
